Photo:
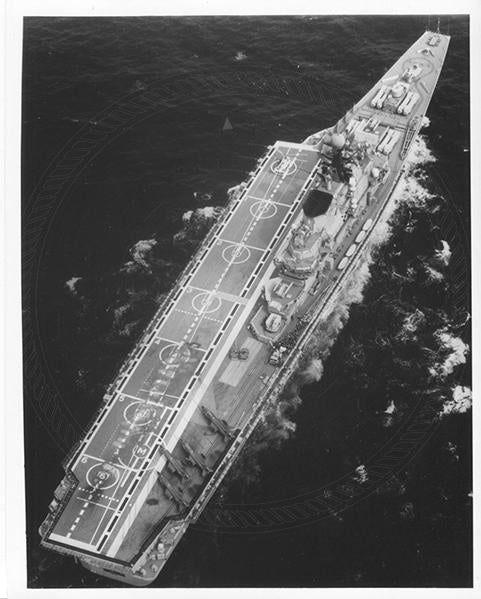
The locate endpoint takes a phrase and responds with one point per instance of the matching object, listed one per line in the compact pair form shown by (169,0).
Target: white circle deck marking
(102,476)
(206,303)
(140,451)
(138,414)
(284,166)
(262,210)
(175,353)
(167,353)
(236,254)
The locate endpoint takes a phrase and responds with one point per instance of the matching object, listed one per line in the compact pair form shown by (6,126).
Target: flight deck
(120,455)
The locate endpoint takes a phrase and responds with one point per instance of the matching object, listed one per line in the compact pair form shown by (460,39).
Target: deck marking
(81,545)
(206,303)
(265,199)
(103,476)
(149,401)
(106,507)
(157,339)
(216,320)
(125,475)
(238,254)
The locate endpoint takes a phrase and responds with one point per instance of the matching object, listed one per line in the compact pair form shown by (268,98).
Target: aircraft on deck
(195,458)
(218,424)
(175,465)
(172,493)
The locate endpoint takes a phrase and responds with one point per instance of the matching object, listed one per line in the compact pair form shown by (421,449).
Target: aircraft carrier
(230,333)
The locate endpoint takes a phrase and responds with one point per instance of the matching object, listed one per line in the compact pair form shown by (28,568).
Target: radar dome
(397,90)
(337,141)
(375,172)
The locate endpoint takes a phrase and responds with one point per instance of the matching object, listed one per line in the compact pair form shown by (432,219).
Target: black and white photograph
(246,299)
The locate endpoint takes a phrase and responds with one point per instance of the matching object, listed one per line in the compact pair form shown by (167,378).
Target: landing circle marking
(174,353)
(236,254)
(140,451)
(103,476)
(262,210)
(138,414)
(284,166)
(167,353)
(206,303)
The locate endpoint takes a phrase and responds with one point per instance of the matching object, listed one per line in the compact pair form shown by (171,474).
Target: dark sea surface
(112,227)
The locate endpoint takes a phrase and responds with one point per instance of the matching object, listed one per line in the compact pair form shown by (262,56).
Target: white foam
(425,122)
(419,152)
(460,402)
(454,350)
(391,408)
(361,474)
(71,284)
(207,212)
(443,254)
(434,276)
(314,371)
(140,252)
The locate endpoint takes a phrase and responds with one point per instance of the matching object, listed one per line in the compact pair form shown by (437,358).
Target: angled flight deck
(120,457)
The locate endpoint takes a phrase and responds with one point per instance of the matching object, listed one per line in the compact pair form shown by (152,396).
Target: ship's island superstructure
(229,334)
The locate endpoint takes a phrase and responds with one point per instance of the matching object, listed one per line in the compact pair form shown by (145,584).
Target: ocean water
(112,241)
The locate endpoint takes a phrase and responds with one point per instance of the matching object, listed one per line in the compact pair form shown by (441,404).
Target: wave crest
(453,351)
(459,403)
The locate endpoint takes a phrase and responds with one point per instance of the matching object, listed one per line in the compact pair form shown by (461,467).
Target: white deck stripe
(251,247)
(150,402)
(235,299)
(69,541)
(270,201)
